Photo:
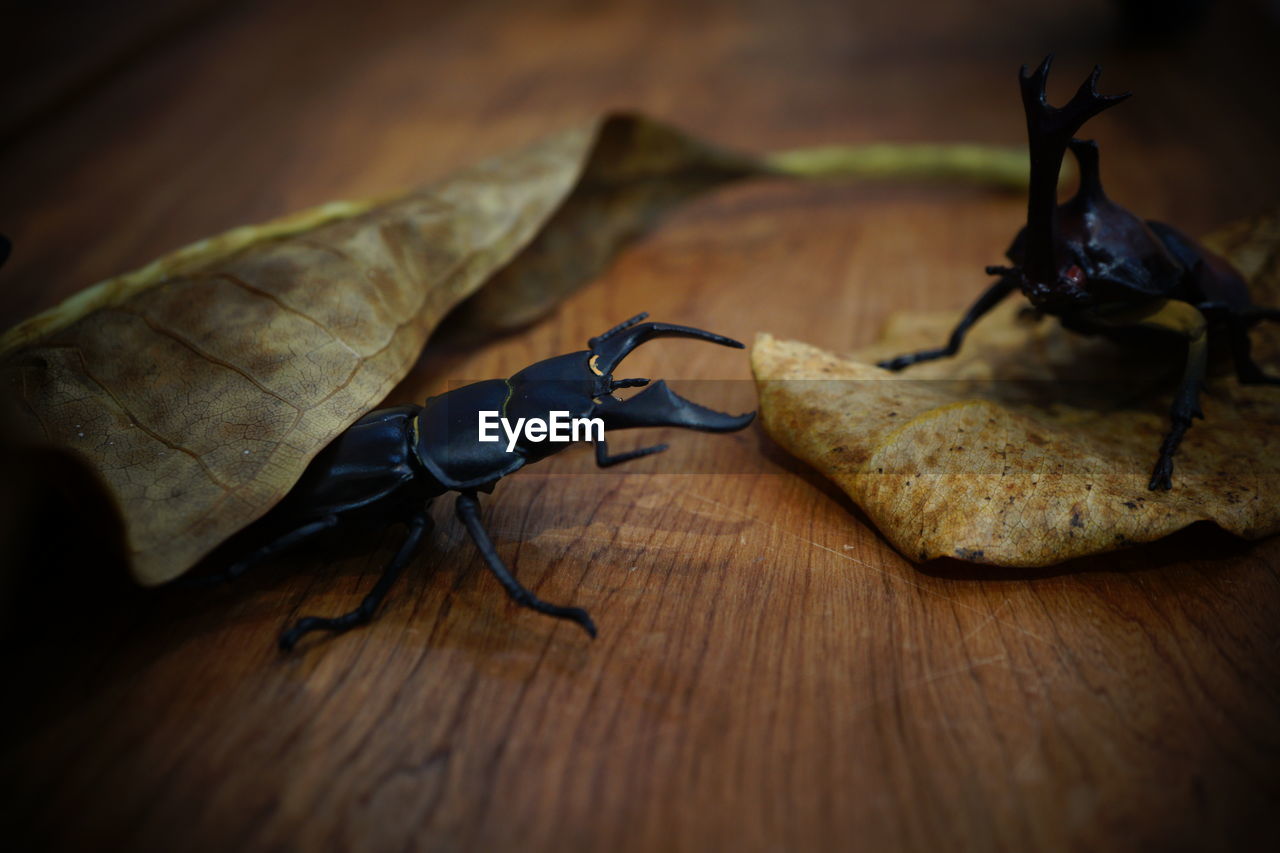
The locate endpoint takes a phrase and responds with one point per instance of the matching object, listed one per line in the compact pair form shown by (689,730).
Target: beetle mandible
(392,462)
(1102,270)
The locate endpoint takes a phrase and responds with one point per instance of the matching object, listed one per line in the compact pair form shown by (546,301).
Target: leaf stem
(989,165)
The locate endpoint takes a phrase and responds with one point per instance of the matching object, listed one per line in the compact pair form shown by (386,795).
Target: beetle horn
(1086,154)
(614,345)
(658,405)
(1049,130)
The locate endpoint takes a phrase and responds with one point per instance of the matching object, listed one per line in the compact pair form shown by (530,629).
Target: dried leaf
(1034,445)
(200,386)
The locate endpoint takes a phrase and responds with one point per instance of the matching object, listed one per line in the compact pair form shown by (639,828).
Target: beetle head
(1053,281)
(1068,291)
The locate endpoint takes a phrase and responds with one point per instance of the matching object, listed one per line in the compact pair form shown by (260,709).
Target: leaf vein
(266,294)
(84,364)
(209,357)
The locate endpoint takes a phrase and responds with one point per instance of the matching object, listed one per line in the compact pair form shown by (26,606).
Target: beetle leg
(468,508)
(1182,319)
(1255,313)
(288,540)
(988,300)
(604,460)
(419,524)
(1186,405)
(1247,370)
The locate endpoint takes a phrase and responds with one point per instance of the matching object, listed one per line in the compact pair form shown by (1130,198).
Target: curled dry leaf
(200,386)
(1033,445)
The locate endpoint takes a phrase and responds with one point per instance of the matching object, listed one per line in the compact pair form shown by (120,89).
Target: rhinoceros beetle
(391,463)
(1102,270)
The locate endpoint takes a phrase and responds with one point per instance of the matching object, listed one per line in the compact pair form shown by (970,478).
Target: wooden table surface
(770,674)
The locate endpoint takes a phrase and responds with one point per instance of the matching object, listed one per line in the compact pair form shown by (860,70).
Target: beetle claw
(614,345)
(658,405)
(1162,476)
(577,614)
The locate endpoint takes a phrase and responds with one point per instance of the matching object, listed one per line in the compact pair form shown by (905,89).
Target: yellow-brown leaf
(200,386)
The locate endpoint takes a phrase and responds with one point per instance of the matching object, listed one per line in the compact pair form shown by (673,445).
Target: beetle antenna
(626,324)
(628,383)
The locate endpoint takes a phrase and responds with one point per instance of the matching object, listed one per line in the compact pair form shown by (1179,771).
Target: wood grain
(770,673)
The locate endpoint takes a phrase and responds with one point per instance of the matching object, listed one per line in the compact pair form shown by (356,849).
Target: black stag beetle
(391,463)
(1102,270)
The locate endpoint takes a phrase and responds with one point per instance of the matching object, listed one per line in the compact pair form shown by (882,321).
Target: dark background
(770,673)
